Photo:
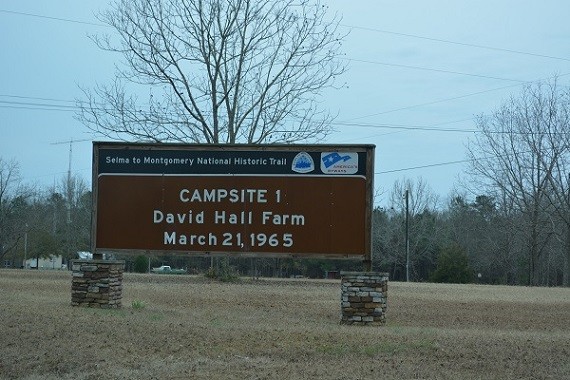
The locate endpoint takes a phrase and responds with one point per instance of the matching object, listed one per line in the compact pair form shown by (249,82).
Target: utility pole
(68,184)
(566,272)
(25,245)
(407,195)
(69,189)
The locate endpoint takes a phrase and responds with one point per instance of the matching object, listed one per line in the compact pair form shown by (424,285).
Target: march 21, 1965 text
(229,238)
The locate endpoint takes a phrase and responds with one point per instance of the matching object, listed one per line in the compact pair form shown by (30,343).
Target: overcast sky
(419,71)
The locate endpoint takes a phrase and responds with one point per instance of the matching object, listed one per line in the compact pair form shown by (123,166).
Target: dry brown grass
(184,327)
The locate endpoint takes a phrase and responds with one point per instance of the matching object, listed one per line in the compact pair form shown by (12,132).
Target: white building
(51,262)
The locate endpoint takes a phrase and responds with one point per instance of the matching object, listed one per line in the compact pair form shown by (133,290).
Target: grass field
(186,327)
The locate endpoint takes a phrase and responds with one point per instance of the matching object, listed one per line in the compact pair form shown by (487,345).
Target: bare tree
(516,154)
(479,227)
(423,229)
(555,103)
(221,71)
(11,230)
(422,197)
(74,227)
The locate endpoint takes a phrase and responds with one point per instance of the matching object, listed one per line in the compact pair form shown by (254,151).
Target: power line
(28,104)
(66,108)
(399,131)
(52,18)
(36,98)
(368,61)
(346,121)
(434,102)
(453,98)
(55,174)
(55,107)
(405,127)
(456,42)
(424,166)
(408,35)
(400,127)
(434,70)
(446,163)
(47,108)
(387,126)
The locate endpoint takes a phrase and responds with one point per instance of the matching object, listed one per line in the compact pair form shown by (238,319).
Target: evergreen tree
(452,266)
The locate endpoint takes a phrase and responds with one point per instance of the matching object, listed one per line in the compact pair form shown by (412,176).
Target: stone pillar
(97,283)
(364,298)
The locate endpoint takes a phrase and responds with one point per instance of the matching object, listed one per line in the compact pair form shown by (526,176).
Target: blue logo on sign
(303,163)
(333,158)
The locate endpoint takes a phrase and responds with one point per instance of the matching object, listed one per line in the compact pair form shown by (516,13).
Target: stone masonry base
(364,298)
(97,283)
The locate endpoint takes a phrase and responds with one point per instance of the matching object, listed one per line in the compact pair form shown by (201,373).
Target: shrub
(138,305)
(452,266)
(224,272)
(141,264)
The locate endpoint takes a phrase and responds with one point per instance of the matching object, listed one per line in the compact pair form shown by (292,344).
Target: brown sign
(292,200)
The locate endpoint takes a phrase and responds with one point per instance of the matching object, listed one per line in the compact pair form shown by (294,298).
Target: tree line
(469,240)
(488,238)
(516,229)
(39,223)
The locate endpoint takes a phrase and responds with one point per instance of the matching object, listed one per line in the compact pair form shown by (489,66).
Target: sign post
(248,200)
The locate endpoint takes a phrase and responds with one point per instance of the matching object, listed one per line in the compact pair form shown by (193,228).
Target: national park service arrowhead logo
(303,163)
